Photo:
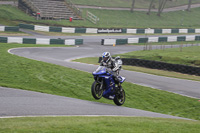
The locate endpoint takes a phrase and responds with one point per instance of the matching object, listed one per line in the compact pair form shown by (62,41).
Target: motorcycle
(104,86)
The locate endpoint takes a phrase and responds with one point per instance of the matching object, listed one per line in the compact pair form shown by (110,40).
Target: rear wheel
(97,90)
(119,98)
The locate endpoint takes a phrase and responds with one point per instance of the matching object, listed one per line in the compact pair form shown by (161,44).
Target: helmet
(106,57)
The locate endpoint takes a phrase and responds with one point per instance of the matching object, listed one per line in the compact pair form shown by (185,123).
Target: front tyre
(119,98)
(96,90)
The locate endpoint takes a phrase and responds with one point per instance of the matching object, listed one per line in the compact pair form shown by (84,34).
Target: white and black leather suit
(115,66)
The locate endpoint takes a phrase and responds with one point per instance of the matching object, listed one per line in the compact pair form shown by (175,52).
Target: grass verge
(22,73)
(98,125)
(7,33)
(185,56)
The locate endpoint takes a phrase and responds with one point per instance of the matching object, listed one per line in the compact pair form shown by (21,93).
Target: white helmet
(106,57)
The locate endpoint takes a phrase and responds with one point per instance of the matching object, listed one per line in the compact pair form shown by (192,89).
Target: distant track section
(46,41)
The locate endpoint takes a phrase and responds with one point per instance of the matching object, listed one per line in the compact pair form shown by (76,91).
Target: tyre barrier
(9,28)
(161,66)
(108,30)
(57,29)
(45,41)
(143,40)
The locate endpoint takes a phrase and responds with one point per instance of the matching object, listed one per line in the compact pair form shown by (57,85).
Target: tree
(189,5)
(150,6)
(133,4)
(162,4)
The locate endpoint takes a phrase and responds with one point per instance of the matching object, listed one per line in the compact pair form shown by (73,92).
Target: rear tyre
(119,98)
(96,90)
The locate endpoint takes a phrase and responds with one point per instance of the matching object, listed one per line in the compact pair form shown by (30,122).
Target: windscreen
(100,68)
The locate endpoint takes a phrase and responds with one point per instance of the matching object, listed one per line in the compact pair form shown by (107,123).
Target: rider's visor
(105,58)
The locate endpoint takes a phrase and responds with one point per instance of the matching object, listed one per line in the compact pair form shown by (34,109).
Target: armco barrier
(150,40)
(9,28)
(121,41)
(100,30)
(45,41)
(160,65)
(163,66)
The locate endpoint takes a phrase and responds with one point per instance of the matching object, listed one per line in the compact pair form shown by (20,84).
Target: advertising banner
(109,30)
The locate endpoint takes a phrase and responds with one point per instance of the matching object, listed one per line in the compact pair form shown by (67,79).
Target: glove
(110,72)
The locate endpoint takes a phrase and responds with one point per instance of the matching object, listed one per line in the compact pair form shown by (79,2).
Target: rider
(114,64)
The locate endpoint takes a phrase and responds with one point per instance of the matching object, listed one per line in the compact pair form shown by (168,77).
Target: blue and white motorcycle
(104,85)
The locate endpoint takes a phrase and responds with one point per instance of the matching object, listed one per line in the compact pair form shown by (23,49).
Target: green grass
(186,56)
(22,73)
(111,19)
(98,125)
(10,15)
(127,3)
(178,19)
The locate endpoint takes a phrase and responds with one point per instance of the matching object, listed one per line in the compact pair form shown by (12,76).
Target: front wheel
(119,98)
(97,90)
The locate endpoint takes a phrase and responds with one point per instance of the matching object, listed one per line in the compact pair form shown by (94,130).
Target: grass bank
(186,55)
(22,73)
(98,125)
(110,19)
(178,19)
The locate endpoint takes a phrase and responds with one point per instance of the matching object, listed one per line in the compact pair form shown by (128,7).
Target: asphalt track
(172,9)
(18,103)
(26,103)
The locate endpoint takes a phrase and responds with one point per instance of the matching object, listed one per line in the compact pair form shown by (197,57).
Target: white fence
(91,17)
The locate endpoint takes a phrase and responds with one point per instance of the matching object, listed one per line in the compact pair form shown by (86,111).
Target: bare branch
(133,4)
(189,5)
(150,6)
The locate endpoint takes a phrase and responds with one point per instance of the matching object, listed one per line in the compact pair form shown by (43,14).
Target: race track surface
(16,103)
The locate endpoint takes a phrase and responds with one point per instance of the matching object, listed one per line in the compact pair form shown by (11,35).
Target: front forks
(100,81)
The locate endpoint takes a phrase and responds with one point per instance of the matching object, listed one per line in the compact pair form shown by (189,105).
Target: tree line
(161,6)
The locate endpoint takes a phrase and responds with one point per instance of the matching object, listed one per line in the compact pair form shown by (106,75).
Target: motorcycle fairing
(108,80)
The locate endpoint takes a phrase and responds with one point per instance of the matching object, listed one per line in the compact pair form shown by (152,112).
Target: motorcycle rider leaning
(114,64)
